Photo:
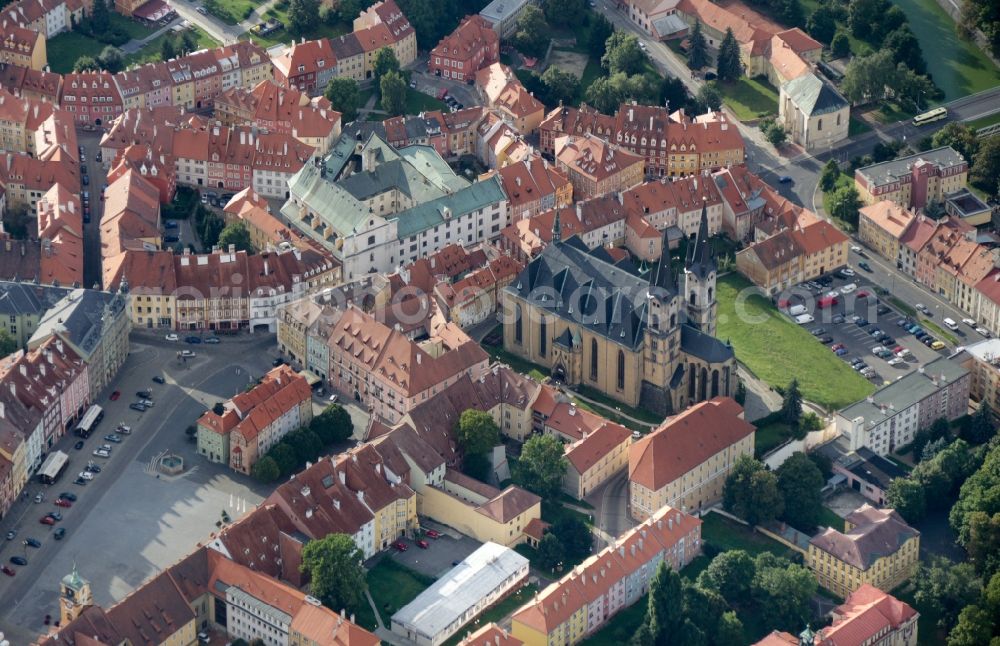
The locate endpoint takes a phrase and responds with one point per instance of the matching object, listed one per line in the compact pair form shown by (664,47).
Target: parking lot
(848,319)
(441,554)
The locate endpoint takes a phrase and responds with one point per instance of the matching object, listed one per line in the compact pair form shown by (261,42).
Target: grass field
(725,534)
(777,350)
(857,127)
(133,28)
(64,50)
(903,307)
(829,519)
(320,30)
(959,68)
(769,437)
(151,52)
(749,98)
(392,586)
(417,102)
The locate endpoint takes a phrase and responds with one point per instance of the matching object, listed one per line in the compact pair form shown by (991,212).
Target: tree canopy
(542,465)
(729,66)
(698,48)
(532,32)
(337,576)
(333,425)
(236,233)
(476,432)
(392,89)
(344,97)
(623,54)
(751,492)
(800,482)
(303,16)
(8,344)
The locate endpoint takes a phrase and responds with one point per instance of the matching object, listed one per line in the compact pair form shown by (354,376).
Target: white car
(895,361)
(187,353)
(969,322)
(878,349)
(903,353)
(848,288)
(101,453)
(172,337)
(922,308)
(86,475)
(802,319)
(983,331)
(847,271)
(124,429)
(855,248)
(333,398)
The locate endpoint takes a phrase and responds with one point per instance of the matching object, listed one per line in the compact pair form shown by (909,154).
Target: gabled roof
(877,534)
(813,95)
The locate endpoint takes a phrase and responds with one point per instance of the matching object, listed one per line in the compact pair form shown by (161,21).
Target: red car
(422,544)
(6,570)
(47,520)
(401,546)
(115,395)
(432,534)
(836,346)
(62,502)
(862,294)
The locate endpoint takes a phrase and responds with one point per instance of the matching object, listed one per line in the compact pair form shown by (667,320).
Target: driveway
(610,502)
(128,524)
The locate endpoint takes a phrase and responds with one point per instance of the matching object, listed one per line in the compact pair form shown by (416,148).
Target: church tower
(662,342)
(74,596)
(700,269)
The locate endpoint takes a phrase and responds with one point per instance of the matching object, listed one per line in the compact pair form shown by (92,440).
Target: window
(621,370)
(819,124)
(518,325)
(542,338)
(593,359)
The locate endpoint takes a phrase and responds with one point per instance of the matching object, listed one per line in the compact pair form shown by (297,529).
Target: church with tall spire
(643,336)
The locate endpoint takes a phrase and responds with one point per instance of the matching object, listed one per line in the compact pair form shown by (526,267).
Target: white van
(796,310)
(950,324)
(802,319)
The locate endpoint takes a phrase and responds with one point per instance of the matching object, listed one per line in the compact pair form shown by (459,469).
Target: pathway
(612,411)
(136,44)
(369,108)
(371,602)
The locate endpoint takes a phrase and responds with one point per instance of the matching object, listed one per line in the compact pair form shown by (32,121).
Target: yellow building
(386,24)
(596,168)
(14,449)
(593,460)
(478,510)
(684,463)
(557,616)
(881,225)
(294,320)
(914,181)
(793,256)
(879,549)
(24,47)
(655,346)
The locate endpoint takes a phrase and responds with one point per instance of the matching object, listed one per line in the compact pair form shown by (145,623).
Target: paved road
(91,230)
(610,502)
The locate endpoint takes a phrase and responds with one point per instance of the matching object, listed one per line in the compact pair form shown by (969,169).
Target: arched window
(710,290)
(621,370)
(518,325)
(593,359)
(543,339)
(715,383)
(692,373)
(694,298)
(703,385)
(673,321)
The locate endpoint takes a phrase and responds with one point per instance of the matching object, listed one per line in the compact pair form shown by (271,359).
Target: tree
(728,63)
(111,59)
(265,470)
(869,78)
(910,89)
(189,41)
(822,24)
(907,497)
(550,552)
(307,444)
(673,92)
(890,21)
(986,166)
(167,50)
(974,628)
(790,13)
(978,494)
(800,482)
(698,48)
(751,492)
(285,457)
(906,49)
(866,15)
(791,404)
(532,32)
(599,29)
(333,424)
(542,465)
(844,204)
(569,13)
(574,535)
(982,15)
(604,95)
(831,173)
(664,613)
(100,19)
(303,17)
(710,96)
(984,542)
(623,54)
(16,219)
(476,465)
(730,629)
(782,592)
(945,587)
(344,97)
(385,62)
(729,574)
(776,134)
(560,85)
(236,233)
(334,566)
(392,88)
(476,432)
(86,64)
(840,46)
(980,426)
(219,408)
(959,136)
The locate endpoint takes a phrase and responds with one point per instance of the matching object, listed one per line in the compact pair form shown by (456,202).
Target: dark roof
(346,46)
(569,281)
(700,256)
(28,298)
(875,469)
(704,346)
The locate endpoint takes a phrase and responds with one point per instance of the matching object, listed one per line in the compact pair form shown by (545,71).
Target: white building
(472,586)
(503,15)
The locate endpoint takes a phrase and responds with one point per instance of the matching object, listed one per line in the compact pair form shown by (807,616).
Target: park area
(777,350)
(64,49)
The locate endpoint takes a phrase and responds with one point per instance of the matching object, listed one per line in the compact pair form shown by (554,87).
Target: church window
(518,325)
(593,359)
(542,338)
(621,370)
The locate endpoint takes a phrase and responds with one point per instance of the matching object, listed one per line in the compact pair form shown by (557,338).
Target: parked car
(840,352)
(137,406)
(277,362)
(32,542)
(188,354)
(192,339)
(66,495)
(59,533)
(86,475)
(170,224)
(882,310)
(62,502)
(18,560)
(838,319)
(895,361)
(969,322)
(171,337)
(124,429)
(158,379)
(983,331)
(937,345)
(80,481)
(817,331)
(78,445)
(148,403)
(9,571)
(826,339)
(113,437)
(861,322)
(430,533)
(848,288)
(101,453)
(115,395)
(171,238)
(47,520)
(837,346)
(92,468)
(11,534)
(213,339)
(422,544)
(888,340)
(922,308)
(400,545)
(864,265)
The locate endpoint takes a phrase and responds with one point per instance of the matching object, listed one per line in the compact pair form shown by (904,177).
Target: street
(130,521)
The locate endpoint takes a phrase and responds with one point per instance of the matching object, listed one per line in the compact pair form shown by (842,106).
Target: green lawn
(770,436)
(724,534)
(133,28)
(533,370)
(939,331)
(902,306)
(231,11)
(496,613)
(392,586)
(777,350)
(890,112)
(622,626)
(749,98)
(608,402)
(829,519)
(64,50)
(857,127)
(984,121)
(417,102)
(958,67)
(320,30)
(151,52)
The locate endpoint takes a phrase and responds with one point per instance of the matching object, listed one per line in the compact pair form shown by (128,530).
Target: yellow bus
(931,115)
